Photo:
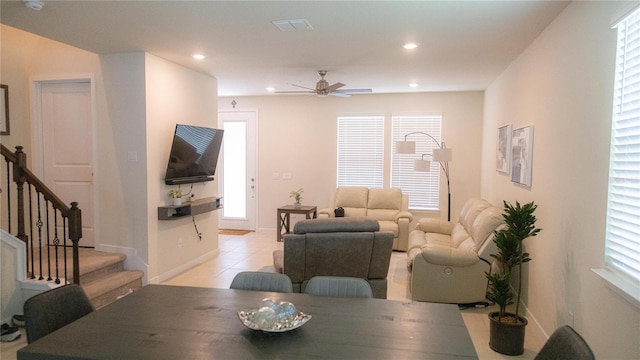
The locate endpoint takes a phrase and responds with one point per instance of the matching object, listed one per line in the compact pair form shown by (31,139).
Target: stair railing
(52,218)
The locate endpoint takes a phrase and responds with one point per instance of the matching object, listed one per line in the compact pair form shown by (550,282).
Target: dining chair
(338,286)
(262,281)
(53,309)
(565,343)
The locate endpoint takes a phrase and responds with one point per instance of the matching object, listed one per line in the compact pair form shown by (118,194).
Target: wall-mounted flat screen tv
(194,154)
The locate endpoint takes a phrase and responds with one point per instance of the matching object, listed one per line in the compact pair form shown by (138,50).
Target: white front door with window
(238,182)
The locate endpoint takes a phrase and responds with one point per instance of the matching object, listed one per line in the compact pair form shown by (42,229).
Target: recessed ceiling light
(198,56)
(410,46)
(413,85)
(271,89)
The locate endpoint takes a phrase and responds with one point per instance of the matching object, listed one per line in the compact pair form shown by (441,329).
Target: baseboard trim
(184,267)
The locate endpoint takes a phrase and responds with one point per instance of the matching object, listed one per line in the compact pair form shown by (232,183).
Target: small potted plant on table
(507,329)
(176,196)
(297,196)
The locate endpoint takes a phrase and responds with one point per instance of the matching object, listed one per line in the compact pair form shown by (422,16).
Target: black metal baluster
(56,243)
(39,225)
(31,250)
(64,239)
(49,240)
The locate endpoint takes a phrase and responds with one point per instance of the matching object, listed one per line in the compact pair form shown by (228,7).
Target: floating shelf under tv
(174,212)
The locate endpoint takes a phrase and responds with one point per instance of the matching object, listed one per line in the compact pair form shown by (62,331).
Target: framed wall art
(503,150)
(4,110)
(522,155)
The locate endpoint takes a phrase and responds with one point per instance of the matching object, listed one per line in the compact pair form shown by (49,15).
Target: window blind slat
(360,151)
(423,188)
(623,209)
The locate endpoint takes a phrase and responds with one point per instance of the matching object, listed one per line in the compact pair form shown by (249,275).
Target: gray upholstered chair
(337,286)
(565,343)
(349,247)
(262,281)
(53,309)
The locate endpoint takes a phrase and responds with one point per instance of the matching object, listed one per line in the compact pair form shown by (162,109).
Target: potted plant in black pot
(507,329)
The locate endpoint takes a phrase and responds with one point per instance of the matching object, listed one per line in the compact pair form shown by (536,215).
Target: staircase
(102,276)
(41,228)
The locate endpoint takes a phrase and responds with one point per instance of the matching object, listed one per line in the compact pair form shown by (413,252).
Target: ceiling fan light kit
(34,4)
(323,88)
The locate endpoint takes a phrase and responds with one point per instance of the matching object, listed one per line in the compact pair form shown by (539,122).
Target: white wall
(24,56)
(563,85)
(176,95)
(139,98)
(297,135)
(121,184)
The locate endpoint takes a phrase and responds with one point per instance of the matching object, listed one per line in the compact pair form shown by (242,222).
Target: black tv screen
(194,154)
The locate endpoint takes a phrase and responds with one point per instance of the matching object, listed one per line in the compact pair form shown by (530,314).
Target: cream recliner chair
(447,261)
(390,207)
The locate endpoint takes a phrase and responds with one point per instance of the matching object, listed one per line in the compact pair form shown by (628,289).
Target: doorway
(64,146)
(239,183)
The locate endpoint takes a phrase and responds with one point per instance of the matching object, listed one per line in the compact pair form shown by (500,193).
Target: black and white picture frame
(522,155)
(503,150)
(4,110)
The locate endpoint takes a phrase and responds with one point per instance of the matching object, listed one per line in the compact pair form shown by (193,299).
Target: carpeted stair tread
(90,261)
(109,287)
(102,274)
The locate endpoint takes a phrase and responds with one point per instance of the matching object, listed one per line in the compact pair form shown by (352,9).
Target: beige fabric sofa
(390,207)
(348,247)
(447,261)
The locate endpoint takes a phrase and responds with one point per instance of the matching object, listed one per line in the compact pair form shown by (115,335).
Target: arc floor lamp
(442,155)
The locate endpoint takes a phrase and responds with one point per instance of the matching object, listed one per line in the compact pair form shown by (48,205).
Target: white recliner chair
(390,207)
(447,261)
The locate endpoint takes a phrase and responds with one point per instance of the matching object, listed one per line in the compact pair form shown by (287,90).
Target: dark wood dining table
(176,322)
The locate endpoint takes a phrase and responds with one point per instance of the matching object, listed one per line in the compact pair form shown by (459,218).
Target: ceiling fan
(324,89)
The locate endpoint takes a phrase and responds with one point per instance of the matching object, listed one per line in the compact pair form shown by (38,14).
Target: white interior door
(238,182)
(67,147)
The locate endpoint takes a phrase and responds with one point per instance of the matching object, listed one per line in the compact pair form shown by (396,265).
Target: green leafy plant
(175,193)
(520,223)
(296,195)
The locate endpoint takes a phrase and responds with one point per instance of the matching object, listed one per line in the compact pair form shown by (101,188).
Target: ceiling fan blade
(339,94)
(303,87)
(294,92)
(335,87)
(353,91)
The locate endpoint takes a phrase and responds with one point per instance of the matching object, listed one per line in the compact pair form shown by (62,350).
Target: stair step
(93,264)
(102,274)
(108,288)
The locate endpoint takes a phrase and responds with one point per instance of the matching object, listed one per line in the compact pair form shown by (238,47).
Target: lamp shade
(405,147)
(441,155)
(422,165)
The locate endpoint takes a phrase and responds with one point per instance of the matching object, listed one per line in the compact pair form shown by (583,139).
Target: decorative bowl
(247,317)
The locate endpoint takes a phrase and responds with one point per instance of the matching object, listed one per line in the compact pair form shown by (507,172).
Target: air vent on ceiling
(293,25)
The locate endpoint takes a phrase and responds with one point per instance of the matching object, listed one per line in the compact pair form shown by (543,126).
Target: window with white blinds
(622,254)
(361,151)
(423,188)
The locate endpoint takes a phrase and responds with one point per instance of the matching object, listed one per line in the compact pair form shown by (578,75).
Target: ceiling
(462,45)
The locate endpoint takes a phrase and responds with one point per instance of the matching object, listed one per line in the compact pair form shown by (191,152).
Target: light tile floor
(254,251)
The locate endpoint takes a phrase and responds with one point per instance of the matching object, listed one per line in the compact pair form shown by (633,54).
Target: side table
(284,216)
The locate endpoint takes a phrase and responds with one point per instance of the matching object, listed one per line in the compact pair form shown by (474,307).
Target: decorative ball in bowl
(273,316)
